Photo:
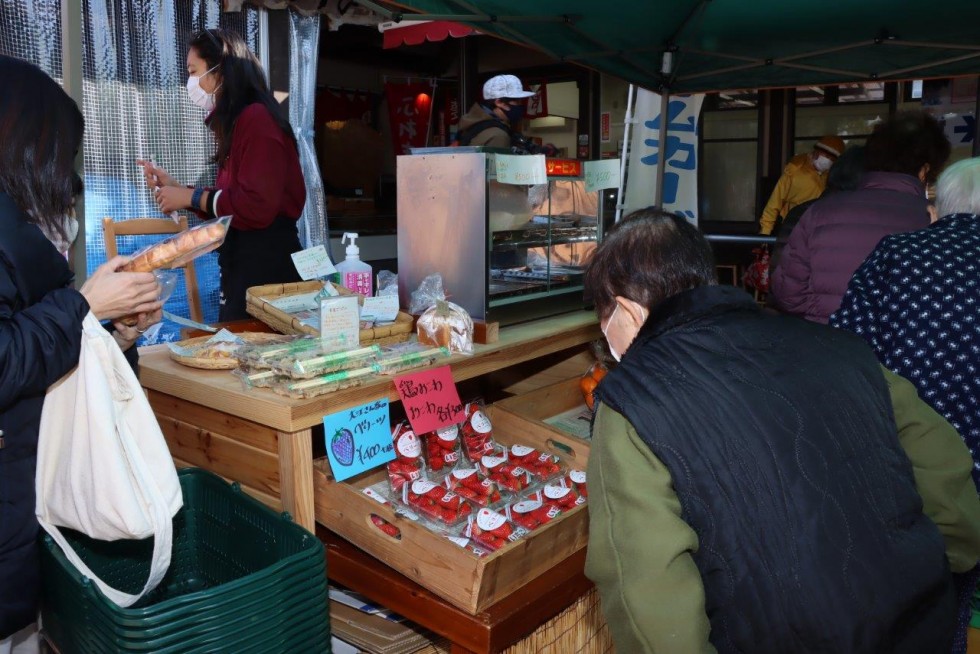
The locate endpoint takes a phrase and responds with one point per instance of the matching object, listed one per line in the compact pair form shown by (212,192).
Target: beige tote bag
(103,467)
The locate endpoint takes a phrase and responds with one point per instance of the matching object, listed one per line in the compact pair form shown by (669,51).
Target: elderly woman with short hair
(751,484)
(916,301)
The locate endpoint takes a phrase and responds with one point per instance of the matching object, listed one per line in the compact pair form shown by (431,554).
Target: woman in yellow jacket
(802,180)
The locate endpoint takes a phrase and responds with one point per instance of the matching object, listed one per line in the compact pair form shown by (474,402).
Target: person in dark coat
(916,301)
(759,483)
(40,313)
(844,175)
(836,234)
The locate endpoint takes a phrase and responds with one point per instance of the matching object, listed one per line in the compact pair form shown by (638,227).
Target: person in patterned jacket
(916,301)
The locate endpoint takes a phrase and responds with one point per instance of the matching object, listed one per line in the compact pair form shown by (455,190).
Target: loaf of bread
(179,249)
(447,325)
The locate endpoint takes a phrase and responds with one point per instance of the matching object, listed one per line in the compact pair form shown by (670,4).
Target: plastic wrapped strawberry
(561,497)
(508,476)
(492,530)
(407,464)
(532,513)
(576,479)
(386,527)
(442,448)
(540,464)
(469,545)
(473,486)
(435,502)
(477,432)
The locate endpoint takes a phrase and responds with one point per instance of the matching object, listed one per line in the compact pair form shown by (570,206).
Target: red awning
(416,32)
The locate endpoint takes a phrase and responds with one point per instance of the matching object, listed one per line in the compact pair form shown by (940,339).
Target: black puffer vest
(781,442)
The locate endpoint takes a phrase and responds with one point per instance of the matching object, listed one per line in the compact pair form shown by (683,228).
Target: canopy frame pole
(661,156)
(928,44)
(624,156)
(941,62)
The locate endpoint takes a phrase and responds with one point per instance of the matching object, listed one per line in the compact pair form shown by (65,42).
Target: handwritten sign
(430,399)
(340,326)
(383,308)
(601,174)
(358,439)
(521,169)
(313,263)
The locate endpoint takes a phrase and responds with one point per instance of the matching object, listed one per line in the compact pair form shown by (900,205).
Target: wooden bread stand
(264,442)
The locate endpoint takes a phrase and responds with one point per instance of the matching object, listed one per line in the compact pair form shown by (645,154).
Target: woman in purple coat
(838,232)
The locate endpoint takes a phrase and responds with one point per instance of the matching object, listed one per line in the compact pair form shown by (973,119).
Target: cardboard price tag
(430,398)
(358,439)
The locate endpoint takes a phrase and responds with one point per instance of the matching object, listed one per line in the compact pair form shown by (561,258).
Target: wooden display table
(264,441)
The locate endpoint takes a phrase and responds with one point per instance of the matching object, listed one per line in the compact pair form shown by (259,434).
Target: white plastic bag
(103,466)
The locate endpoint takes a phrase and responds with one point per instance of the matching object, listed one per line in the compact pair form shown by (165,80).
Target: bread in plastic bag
(447,325)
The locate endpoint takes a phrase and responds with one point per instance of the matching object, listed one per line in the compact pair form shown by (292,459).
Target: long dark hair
(40,133)
(242,83)
(648,257)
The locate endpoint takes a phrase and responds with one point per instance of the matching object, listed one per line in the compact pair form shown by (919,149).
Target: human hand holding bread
(112,293)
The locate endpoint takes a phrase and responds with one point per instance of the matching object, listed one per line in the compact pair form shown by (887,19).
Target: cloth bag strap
(152,497)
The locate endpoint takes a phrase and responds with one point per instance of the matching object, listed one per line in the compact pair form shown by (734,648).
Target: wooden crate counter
(264,440)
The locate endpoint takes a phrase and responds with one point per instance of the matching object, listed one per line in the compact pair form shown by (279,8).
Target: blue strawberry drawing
(342,445)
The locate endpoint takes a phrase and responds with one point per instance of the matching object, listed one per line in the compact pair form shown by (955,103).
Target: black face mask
(515,113)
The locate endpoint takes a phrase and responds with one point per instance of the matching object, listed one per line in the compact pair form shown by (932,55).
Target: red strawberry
(477,432)
(509,477)
(576,479)
(407,464)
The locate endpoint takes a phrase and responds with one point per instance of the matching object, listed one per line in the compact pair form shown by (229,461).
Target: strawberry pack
(442,448)
(477,432)
(540,464)
(532,513)
(576,479)
(508,476)
(473,486)
(468,545)
(407,464)
(492,530)
(560,497)
(435,502)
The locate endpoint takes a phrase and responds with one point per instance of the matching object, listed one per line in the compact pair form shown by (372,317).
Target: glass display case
(506,252)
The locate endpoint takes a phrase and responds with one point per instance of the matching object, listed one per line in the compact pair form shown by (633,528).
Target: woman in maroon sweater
(260,183)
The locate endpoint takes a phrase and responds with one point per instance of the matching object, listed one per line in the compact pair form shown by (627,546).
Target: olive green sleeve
(942,465)
(639,547)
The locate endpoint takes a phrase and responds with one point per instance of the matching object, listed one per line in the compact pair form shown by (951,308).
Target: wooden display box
(460,577)
(526,413)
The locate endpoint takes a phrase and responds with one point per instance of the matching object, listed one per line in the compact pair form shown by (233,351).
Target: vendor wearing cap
(494,122)
(802,180)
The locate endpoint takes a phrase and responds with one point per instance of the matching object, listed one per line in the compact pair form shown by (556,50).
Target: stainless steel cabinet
(506,252)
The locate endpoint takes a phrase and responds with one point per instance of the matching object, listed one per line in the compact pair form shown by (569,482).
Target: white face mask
(612,350)
(822,164)
(199,96)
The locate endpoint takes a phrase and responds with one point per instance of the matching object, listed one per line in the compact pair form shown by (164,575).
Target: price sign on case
(358,439)
(601,174)
(430,398)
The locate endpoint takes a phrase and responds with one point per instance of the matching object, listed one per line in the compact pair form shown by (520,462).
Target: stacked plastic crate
(242,579)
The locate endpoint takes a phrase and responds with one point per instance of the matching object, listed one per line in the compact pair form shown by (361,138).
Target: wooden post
(296,476)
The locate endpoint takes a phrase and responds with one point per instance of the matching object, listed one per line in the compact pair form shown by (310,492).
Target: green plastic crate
(235,564)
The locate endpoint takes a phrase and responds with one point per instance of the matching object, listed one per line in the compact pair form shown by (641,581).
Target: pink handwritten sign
(430,399)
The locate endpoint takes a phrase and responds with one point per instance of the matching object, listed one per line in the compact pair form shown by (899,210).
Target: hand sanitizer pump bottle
(354,273)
